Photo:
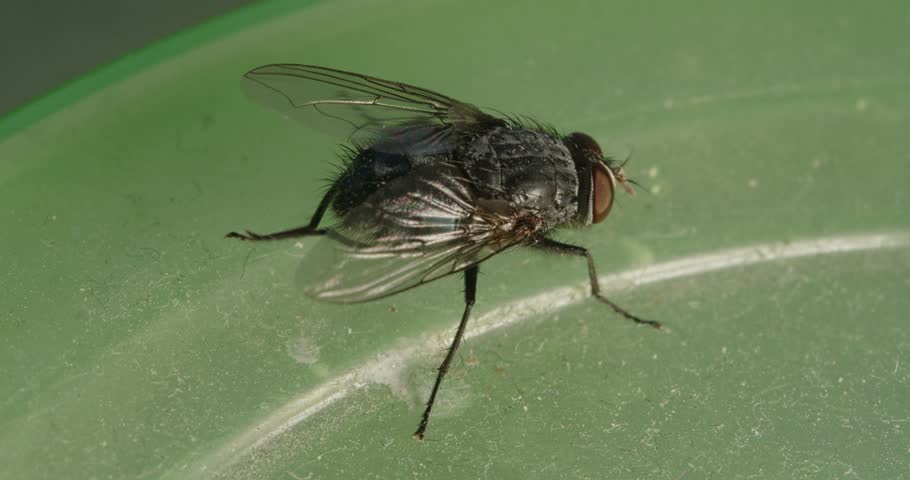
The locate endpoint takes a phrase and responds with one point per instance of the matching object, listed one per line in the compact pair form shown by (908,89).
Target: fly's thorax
(529,168)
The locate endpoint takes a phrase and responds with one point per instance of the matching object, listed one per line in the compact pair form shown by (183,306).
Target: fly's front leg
(567,249)
(305,231)
(470,289)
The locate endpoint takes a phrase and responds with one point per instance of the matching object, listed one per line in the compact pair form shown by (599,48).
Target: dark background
(46,43)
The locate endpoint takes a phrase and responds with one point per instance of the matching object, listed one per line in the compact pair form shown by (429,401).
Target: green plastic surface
(775,245)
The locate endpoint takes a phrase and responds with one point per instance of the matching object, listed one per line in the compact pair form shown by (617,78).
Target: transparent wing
(426,227)
(351,104)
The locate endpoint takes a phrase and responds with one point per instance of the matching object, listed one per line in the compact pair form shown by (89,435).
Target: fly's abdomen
(394,155)
(367,172)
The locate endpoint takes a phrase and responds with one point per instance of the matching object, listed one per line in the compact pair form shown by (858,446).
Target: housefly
(432,186)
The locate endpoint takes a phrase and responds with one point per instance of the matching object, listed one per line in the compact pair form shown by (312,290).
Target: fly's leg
(305,231)
(567,249)
(470,289)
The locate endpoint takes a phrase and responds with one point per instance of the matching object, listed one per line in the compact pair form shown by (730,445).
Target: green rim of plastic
(155,52)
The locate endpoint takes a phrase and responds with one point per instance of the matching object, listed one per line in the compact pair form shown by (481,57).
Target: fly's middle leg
(470,290)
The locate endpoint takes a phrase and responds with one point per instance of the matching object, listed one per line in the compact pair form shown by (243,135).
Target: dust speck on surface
(303,350)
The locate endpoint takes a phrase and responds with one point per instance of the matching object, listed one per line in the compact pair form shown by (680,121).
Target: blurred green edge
(100,77)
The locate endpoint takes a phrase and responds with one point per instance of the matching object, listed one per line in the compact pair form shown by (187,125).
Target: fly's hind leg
(567,249)
(306,231)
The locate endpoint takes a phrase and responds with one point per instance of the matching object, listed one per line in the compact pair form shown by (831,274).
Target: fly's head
(597,178)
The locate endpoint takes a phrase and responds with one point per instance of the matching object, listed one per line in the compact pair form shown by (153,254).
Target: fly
(432,186)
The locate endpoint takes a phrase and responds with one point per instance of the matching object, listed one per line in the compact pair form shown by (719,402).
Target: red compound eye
(602,183)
